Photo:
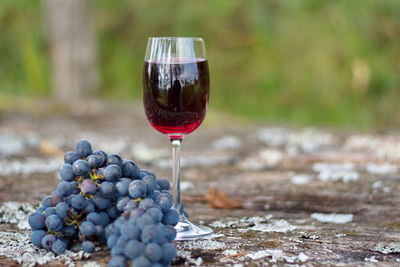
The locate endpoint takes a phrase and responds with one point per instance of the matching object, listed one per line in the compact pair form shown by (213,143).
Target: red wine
(175,94)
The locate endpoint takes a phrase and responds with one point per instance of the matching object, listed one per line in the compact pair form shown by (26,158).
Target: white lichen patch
(332,217)
(371,259)
(229,252)
(387,248)
(381,169)
(28,166)
(331,172)
(276,255)
(202,244)
(17,247)
(189,260)
(91,264)
(280,226)
(340,235)
(16,212)
(300,179)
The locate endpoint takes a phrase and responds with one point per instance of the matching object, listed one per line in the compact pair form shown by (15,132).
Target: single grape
(144,221)
(144,172)
(94,217)
(64,188)
(130,169)
(75,187)
(132,204)
(89,208)
(88,246)
(117,250)
(163,184)
(79,202)
(169,252)
(153,252)
(150,233)
(113,212)
(81,167)
(41,209)
(155,213)
(69,231)
(51,201)
(62,209)
(169,232)
(112,240)
(146,203)
(171,217)
(121,204)
(87,228)
(50,211)
(47,241)
(137,188)
(141,261)
(83,148)
(99,231)
(104,218)
(107,189)
(37,221)
(59,247)
(54,223)
(102,156)
(123,186)
(100,202)
(113,159)
(66,172)
(153,195)
(94,161)
(117,261)
(164,201)
(88,187)
(37,236)
(151,183)
(130,230)
(133,249)
(70,157)
(112,172)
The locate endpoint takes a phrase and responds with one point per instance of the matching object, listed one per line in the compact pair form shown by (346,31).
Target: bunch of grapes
(104,199)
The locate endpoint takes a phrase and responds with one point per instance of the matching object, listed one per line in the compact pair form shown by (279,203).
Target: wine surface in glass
(175,94)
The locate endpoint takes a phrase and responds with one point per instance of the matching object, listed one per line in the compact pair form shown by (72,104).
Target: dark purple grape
(107,189)
(171,217)
(113,159)
(94,161)
(133,249)
(151,183)
(112,240)
(83,148)
(79,202)
(64,188)
(81,167)
(155,213)
(123,186)
(117,261)
(66,172)
(88,246)
(87,228)
(70,157)
(113,212)
(130,169)
(137,188)
(36,237)
(121,204)
(141,261)
(169,252)
(50,211)
(59,247)
(69,231)
(146,203)
(47,241)
(169,232)
(37,221)
(101,202)
(150,233)
(104,218)
(54,223)
(130,231)
(153,252)
(112,172)
(62,209)
(94,218)
(163,184)
(88,187)
(164,200)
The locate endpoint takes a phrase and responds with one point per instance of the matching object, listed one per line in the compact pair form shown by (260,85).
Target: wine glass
(176,87)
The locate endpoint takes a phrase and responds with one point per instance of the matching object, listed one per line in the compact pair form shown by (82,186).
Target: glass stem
(176,174)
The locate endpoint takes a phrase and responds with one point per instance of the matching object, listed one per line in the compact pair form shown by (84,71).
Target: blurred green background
(305,62)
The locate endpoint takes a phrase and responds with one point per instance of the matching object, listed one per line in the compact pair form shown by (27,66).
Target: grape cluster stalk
(104,199)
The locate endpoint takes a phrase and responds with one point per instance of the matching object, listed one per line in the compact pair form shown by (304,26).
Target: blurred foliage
(302,61)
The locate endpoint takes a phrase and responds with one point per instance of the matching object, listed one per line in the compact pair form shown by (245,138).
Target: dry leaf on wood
(219,200)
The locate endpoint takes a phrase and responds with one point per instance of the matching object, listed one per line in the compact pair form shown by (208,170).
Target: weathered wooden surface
(274,174)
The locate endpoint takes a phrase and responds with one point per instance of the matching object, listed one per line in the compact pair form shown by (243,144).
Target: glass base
(189,231)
